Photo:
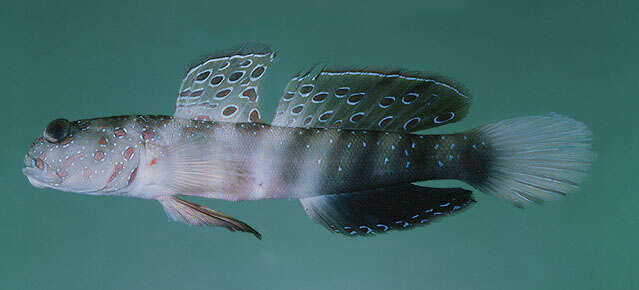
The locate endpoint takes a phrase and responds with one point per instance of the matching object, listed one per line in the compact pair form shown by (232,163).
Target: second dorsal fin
(373,100)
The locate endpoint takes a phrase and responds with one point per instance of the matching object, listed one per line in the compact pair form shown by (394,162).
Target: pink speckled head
(94,156)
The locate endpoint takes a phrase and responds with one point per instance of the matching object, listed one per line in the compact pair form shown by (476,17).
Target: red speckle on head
(147,134)
(102,127)
(86,173)
(69,161)
(102,141)
(41,139)
(67,141)
(80,155)
(128,153)
(99,155)
(116,171)
(62,173)
(119,133)
(133,174)
(153,162)
(39,163)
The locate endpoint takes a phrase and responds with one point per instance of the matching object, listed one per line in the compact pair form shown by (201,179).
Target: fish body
(343,142)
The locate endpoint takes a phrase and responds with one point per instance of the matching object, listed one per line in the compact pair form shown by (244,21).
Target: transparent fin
(380,210)
(372,100)
(535,158)
(225,85)
(194,214)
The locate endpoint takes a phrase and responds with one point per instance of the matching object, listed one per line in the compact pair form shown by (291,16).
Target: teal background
(84,59)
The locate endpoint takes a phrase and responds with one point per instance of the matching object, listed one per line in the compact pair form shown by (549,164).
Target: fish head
(96,156)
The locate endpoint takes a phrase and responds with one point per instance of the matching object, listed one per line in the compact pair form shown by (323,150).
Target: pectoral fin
(194,214)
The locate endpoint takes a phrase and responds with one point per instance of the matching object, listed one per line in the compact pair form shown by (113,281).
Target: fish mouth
(36,176)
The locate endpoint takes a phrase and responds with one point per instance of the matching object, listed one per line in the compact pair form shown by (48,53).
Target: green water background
(84,59)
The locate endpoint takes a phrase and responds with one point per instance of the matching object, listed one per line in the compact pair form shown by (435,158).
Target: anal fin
(194,214)
(380,210)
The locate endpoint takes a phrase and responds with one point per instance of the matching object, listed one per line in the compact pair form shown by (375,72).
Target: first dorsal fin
(372,100)
(225,85)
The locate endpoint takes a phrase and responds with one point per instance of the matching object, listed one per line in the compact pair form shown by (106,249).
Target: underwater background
(85,59)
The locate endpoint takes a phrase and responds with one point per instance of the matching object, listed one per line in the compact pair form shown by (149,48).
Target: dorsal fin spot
(202,76)
(297,109)
(411,123)
(385,121)
(444,118)
(229,111)
(305,90)
(246,63)
(217,80)
(257,72)
(197,93)
(308,120)
(409,98)
(386,101)
(325,116)
(357,117)
(288,96)
(341,92)
(221,94)
(251,94)
(254,116)
(319,97)
(355,98)
(235,76)
(224,65)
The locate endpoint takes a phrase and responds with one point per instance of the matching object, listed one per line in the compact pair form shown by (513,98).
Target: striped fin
(383,209)
(372,100)
(225,86)
(194,214)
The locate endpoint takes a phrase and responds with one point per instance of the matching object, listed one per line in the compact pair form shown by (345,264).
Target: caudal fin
(535,158)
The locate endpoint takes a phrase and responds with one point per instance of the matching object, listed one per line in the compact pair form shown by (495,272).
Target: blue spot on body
(415,216)
(423,221)
(436,146)
(445,204)
(452,146)
(385,160)
(440,163)
(364,144)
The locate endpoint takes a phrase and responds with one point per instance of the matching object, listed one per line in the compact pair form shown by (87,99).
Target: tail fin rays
(536,158)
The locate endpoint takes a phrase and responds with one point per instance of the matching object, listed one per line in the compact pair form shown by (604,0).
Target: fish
(343,142)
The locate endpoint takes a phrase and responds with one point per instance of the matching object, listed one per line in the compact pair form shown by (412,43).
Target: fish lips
(38,180)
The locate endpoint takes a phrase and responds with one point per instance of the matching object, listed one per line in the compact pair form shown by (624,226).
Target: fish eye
(57,131)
